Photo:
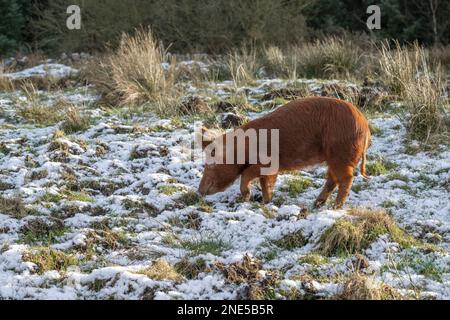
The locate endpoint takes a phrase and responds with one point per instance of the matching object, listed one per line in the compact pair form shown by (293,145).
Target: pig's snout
(204,188)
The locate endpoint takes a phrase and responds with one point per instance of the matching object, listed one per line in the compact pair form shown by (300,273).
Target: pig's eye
(213,153)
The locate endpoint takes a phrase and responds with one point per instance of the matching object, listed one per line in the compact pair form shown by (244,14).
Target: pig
(311,131)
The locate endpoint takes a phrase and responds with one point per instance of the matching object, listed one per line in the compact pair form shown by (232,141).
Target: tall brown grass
(279,63)
(243,65)
(137,73)
(409,74)
(327,58)
(5,83)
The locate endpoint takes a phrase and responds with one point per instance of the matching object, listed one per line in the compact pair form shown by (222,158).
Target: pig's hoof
(319,203)
(246,197)
(257,198)
(338,206)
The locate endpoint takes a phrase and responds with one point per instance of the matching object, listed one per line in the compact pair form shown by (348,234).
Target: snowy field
(111,213)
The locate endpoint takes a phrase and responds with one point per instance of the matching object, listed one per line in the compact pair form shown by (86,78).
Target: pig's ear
(204,137)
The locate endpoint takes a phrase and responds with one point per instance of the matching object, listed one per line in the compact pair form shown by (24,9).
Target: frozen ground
(119,196)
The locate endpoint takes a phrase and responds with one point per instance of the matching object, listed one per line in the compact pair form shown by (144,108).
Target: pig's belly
(301,162)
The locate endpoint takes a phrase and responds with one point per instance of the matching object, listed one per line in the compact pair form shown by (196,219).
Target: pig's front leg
(267,185)
(249,174)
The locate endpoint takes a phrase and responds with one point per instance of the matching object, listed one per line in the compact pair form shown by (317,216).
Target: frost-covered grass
(109,210)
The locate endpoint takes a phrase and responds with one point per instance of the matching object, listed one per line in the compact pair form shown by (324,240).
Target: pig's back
(311,127)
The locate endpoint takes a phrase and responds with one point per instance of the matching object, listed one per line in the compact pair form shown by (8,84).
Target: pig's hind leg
(344,175)
(327,190)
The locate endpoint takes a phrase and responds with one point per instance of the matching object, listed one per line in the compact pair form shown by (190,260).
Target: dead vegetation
(75,121)
(362,287)
(47,259)
(410,75)
(356,233)
(135,74)
(36,111)
(191,268)
(13,206)
(247,272)
(162,270)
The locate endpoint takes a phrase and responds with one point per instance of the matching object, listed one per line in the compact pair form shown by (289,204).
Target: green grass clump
(43,232)
(47,259)
(374,130)
(429,270)
(296,185)
(314,259)
(270,255)
(78,196)
(422,265)
(40,114)
(51,197)
(291,241)
(388,204)
(279,101)
(192,198)
(357,187)
(169,190)
(213,246)
(398,176)
(69,195)
(379,167)
(35,110)
(342,238)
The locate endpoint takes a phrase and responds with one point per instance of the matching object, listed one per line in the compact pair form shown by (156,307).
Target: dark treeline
(213,26)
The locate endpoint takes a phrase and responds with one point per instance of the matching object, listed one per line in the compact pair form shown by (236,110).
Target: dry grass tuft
(191,268)
(242,271)
(243,65)
(409,74)
(75,121)
(6,84)
(426,103)
(247,271)
(47,259)
(135,74)
(348,236)
(278,63)
(398,65)
(329,58)
(362,287)
(35,111)
(13,206)
(440,55)
(162,270)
